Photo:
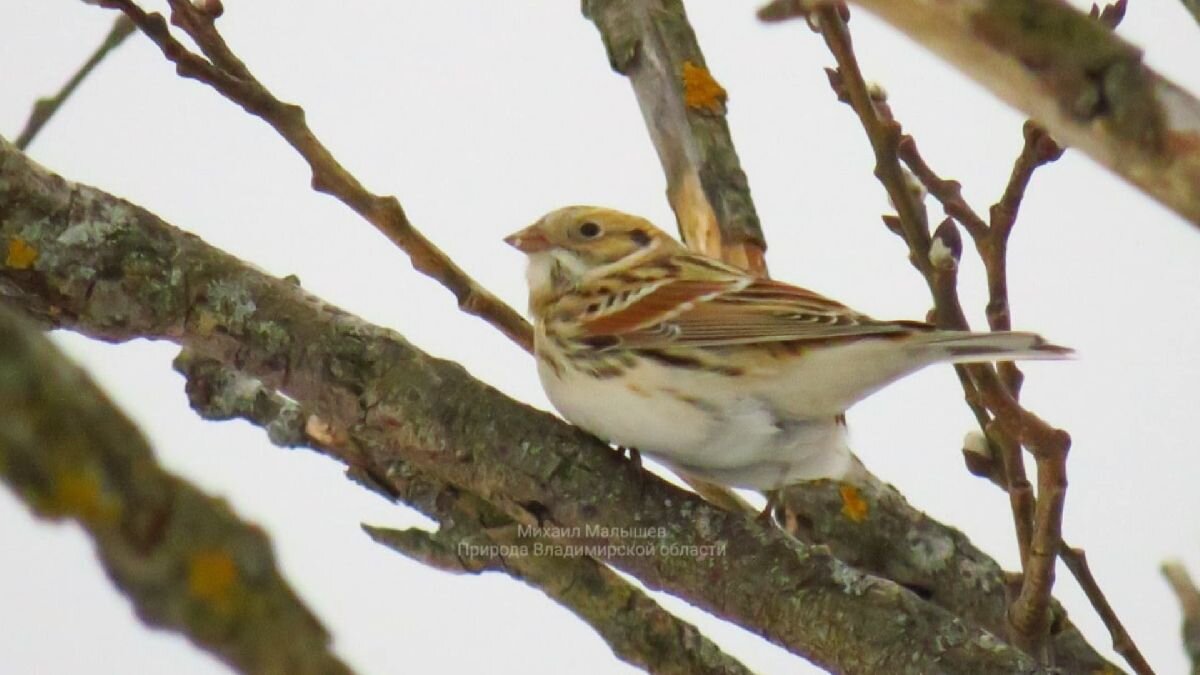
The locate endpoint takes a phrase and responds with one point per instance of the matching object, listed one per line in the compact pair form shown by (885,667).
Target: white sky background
(480,116)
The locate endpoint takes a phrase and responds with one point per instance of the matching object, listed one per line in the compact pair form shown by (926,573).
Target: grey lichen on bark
(873,528)
(473,536)
(96,264)
(185,561)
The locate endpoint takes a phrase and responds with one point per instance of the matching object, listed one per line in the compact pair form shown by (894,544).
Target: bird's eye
(589,230)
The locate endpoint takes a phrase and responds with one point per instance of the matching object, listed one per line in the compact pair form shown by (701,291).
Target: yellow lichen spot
(854,506)
(212,575)
(20,254)
(206,323)
(700,91)
(79,494)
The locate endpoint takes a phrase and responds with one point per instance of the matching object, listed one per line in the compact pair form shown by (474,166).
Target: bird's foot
(634,455)
(766,517)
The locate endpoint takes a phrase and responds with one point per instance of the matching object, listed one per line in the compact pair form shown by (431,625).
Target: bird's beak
(528,240)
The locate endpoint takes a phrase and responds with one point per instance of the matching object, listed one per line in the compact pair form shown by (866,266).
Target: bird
(716,373)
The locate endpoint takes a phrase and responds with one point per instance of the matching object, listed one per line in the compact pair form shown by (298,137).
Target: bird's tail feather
(967,347)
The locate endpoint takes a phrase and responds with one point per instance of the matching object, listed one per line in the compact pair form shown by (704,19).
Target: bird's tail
(968,347)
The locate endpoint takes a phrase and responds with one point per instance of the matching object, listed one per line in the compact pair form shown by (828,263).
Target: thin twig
(885,135)
(1038,523)
(44,108)
(1076,561)
(882,132)
(1189,604)
(229,76)
(947,192)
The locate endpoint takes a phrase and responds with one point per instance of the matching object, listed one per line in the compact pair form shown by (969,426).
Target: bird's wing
(697,302)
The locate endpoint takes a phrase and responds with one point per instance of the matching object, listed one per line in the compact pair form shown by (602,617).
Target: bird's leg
(767,515)
(634,455)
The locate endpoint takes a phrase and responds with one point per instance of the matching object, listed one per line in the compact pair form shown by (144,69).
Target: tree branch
(184,560)
(473,536)
(652,43)
(113,271)
(1189,604)
(225,73)
(1088,87)
(44,108)
(1038,523)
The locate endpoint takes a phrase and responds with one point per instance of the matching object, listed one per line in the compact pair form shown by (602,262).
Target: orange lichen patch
(79,494)
(854,506)
(700,91)
(212,575)
(20,254)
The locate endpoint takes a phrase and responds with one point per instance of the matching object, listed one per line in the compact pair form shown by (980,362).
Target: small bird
(718,374)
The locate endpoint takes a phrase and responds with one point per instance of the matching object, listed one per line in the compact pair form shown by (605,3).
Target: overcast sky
(480,116)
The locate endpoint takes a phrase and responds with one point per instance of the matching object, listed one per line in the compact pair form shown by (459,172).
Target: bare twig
(44,108)
(1076,561)
(474,535)
(1038,523)
(885,136)
(883,133)
(184,560)
(1189,604)
(225,73)
(1091,91)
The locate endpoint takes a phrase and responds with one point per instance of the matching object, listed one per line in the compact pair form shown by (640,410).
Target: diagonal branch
(44,108)
(652,43)
(184,560)
(473,536)
(1189,605)
(225,73)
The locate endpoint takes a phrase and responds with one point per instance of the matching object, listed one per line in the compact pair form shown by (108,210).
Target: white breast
(696,422)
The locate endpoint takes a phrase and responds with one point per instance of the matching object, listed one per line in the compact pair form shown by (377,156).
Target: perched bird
(721,375)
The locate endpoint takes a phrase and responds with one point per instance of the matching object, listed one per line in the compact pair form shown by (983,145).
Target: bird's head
(574,244)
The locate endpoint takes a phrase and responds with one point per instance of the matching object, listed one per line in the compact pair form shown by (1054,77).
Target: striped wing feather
(725,307)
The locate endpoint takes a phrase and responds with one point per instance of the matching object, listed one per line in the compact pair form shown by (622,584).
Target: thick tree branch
(1088,87)
(473,536)
(184,560)
(111,270)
